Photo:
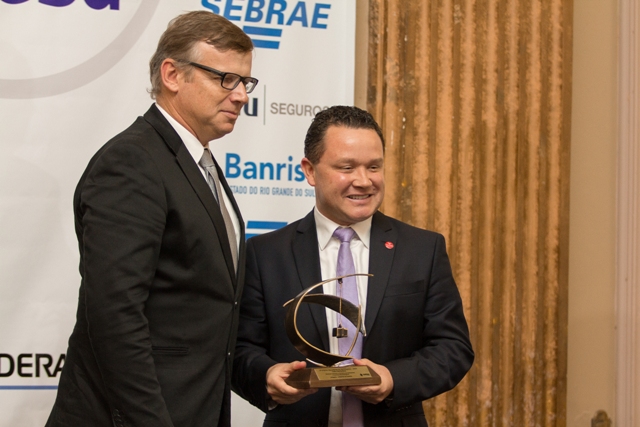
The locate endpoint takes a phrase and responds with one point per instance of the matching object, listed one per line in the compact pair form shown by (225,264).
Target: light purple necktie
(351,406)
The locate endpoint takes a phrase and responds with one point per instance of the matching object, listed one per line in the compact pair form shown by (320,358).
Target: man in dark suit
(162,249)
(417,336)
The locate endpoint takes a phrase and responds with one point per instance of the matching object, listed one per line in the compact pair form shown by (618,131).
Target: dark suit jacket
(414,320)
(157,313)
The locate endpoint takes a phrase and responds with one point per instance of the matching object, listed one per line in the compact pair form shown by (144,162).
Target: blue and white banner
(73,74)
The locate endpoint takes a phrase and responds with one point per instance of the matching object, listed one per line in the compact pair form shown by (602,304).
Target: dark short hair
(338,115)
(182,34)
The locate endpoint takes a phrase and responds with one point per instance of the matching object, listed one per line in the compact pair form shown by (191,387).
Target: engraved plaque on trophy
(328,371)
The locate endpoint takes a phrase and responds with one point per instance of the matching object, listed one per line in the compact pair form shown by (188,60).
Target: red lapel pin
(388,245)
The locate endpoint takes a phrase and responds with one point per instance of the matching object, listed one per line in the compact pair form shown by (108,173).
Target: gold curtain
(474,100)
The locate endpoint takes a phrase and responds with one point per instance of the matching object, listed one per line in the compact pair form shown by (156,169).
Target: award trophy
(327,372)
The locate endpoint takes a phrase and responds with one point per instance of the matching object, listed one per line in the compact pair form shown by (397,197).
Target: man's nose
(362,178)
(239,94)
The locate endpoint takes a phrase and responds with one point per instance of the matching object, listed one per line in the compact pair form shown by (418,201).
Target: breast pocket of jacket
(404,289)
(404,303)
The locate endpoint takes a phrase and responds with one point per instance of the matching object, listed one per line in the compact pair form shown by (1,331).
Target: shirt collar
(325,228)
(194,147)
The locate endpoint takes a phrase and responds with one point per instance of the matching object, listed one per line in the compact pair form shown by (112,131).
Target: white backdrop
(75,73)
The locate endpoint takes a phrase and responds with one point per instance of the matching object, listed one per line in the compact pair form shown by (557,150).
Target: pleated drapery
(474,98)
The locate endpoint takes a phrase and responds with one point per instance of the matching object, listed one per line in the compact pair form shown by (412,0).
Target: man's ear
(309,171)
(170,75)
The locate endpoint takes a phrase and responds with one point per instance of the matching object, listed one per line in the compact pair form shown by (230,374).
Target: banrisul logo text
(266,20)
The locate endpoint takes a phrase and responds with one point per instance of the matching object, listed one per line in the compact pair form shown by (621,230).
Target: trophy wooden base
(333,377)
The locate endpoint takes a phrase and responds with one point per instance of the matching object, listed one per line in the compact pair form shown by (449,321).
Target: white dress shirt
(328,248)
(196,149)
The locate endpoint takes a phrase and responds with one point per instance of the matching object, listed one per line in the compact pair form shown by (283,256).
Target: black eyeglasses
(228,81)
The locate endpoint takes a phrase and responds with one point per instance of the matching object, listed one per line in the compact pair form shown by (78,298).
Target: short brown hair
(338,115)
(184,31)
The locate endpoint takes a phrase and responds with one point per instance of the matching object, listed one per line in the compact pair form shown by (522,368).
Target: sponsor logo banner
(75,74)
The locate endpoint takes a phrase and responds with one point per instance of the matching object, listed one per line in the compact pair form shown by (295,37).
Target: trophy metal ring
(346,308)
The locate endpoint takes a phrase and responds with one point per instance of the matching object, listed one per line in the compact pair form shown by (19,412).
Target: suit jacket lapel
(223,232)
(197,181)
(307,259)
(380,262)
(242,242)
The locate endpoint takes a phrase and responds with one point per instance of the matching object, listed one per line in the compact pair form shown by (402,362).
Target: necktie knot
(206,161)
(344,234)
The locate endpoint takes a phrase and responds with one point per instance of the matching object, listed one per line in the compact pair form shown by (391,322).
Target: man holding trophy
(413,338)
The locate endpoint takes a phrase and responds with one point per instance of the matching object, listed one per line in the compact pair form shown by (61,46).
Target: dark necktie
(206,161)
(348,290)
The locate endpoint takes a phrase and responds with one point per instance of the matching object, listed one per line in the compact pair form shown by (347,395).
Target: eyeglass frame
(223,74)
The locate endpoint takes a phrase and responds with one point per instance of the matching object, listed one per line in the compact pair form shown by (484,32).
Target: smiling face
(349,177)
(196,99)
